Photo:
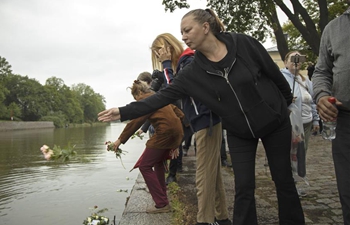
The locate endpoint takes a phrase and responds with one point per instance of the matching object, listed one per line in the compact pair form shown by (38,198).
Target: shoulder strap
(301,84)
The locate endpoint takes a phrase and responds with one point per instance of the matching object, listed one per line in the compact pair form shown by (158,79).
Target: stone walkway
(321,205)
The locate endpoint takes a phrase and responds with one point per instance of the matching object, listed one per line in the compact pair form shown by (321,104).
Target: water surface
(34,191)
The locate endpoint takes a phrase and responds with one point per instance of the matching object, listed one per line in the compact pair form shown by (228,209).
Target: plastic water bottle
(328,130)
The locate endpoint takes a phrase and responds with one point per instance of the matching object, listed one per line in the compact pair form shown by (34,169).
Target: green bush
(58,121)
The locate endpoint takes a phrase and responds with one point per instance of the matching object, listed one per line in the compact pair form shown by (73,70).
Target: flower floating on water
(96,219)
(118,152)
(58,154)
(122,190)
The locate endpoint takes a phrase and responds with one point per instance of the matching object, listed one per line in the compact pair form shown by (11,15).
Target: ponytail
(209,16)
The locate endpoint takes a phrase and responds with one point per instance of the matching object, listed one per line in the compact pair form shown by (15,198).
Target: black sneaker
(225,163)
(170,179)
(223,222)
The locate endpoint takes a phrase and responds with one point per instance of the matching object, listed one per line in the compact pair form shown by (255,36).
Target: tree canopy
(24,98)
(259,19)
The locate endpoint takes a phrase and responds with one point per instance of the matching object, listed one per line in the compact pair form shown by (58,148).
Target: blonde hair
(139,87)
(209,16)
(166,40)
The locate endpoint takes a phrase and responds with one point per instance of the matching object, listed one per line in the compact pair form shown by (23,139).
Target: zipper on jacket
(225,76)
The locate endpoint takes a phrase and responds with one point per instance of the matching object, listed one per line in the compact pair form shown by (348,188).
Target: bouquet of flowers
(96,219)
(118,152)
(58,154)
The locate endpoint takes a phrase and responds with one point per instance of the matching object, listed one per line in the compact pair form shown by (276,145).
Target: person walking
(302,92)
(310,69)
(168,54)
(332,78)
(234,76)
(163,143)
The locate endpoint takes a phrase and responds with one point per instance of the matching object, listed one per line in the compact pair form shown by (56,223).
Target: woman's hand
(174,153)
(117,143)
(163,54)
(109,115)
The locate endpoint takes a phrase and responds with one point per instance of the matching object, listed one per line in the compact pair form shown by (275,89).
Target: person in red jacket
(162,144)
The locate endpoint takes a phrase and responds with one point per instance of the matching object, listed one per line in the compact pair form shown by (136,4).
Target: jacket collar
(230,40)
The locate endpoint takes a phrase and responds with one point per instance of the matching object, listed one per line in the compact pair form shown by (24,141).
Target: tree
(295,41)
(26,99)
(91,102)
(258,18)
(5,67)
(5,70)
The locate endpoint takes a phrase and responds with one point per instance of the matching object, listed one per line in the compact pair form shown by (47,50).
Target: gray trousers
(341,158)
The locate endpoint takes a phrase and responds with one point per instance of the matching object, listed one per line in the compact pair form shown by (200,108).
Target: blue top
(199,115)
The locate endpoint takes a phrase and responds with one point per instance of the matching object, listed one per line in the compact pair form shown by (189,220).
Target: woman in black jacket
(234,76)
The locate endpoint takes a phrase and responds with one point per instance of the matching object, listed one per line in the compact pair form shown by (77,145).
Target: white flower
(44,148)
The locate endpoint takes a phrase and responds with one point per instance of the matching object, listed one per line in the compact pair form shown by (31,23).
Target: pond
(34,191)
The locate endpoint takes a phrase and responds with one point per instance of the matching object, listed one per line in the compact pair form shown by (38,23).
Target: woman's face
(291,65)
(193,33)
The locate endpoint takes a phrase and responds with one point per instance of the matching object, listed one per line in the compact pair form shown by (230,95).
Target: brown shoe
(153,209)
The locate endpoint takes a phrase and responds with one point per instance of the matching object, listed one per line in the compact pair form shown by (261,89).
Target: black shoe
(170,179)
(225,163)
(223,222)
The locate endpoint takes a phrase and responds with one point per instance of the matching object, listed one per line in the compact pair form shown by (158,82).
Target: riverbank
(25,125)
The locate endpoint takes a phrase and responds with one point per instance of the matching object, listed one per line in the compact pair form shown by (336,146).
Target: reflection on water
(34,191)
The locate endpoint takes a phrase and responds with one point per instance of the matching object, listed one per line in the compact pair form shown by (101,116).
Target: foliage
(95,218)
(5,67)
(137,135)
(259,19)
(297,42)
(90,102)
(57,120)
(26,99)
(178,207)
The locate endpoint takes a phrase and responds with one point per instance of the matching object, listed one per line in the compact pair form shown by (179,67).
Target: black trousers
(277,147)
(341,159)
(223,148)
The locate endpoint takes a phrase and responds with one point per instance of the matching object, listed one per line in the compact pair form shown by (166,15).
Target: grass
(176,204)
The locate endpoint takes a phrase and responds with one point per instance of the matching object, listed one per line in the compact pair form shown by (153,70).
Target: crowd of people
(226,80)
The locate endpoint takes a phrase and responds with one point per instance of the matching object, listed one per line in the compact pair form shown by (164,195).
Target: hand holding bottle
(326,110)
(328,131)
